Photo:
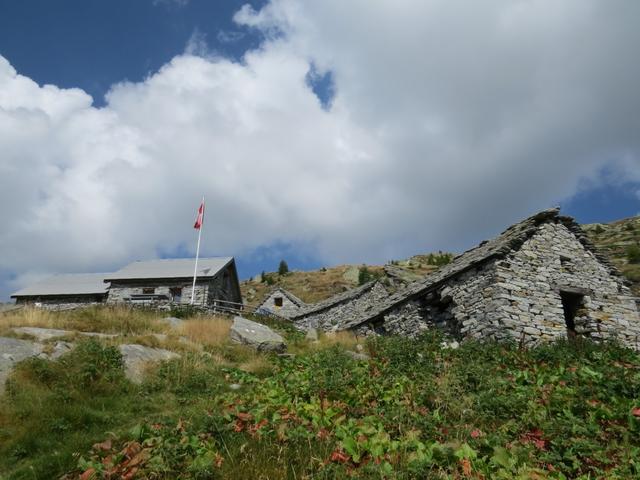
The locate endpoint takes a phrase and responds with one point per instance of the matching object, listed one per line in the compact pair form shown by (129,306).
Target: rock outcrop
(256,335)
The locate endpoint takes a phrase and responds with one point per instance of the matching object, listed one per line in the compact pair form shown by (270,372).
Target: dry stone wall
(332,317)
(287,310)
(462,307)
(530,280)
(120,292)
(518,297)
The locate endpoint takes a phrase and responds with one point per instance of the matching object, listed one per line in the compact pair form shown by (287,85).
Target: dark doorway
(571,302)
(277,301)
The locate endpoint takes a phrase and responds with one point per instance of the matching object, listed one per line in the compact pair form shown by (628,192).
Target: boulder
(174,322)
(256,335)
(41,334)
(136,357)
(357,355)
(312,335)
(13,351)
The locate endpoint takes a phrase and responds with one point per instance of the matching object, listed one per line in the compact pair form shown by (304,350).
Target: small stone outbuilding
(65,290)
(541,279)
(281,303)
(331,313)
(170,281)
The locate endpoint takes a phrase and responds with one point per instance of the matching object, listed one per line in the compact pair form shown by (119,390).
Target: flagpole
(195,268)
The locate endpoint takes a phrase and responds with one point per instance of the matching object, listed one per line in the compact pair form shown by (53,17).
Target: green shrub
(283,268)
(633,254)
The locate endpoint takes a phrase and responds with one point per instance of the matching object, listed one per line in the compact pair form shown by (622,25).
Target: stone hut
(170,281)
(65,289)
(280,303)
(330,314)
(541,279)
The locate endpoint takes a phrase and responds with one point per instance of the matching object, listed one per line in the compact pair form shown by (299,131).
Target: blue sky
(320,133)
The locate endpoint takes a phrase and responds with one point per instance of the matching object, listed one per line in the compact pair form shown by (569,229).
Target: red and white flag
(200,217)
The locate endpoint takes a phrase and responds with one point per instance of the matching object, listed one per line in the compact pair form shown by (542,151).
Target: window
(277,301)
(571,303)
(566,264)
(148,291)
(176,294)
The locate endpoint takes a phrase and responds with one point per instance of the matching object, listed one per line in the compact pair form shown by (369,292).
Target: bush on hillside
(283,268)
(633,254)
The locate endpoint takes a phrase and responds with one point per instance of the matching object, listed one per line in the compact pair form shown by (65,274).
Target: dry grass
(345,339)
(258,364)
(104,319)
(210,331)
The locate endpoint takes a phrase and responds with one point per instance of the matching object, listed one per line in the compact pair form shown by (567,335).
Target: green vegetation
(283,268)
(414,410)
(439,259)
(633,254)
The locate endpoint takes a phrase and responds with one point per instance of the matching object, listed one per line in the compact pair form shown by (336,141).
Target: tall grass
(208,331)
(106,319)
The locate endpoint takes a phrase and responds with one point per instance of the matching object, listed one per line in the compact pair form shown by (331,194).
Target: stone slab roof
(335,300)
(170,268)
(509,240)
(67,284)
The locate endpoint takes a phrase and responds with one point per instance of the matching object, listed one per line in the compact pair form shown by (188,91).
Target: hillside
(312,286)
(408,409)
(615,239)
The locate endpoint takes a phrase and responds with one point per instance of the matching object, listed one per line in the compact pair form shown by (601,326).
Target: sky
(319,132)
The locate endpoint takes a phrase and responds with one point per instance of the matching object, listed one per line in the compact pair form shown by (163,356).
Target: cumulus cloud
(448,122)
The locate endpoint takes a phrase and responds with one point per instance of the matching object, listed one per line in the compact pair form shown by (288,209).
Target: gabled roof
(67,284)
(286,293)
(508,241)
(335,300)
(171,268)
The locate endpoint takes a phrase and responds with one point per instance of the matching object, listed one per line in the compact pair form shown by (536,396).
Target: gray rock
(174,322)
(136,357)
(256,335)
(357,356)
(98,335)
(59,349)
(41,334)
(312,335)
(235,386)
(13,351)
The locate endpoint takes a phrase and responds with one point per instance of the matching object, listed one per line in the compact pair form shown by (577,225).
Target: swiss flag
(200,217)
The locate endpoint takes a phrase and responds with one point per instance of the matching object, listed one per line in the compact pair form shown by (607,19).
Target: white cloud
(449,121)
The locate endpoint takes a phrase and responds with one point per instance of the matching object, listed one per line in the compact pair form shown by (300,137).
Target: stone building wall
(221,287)
(331,318)
(462,307)
(287,310)
(121,291)
(62,303)
(530,280)
(519,297)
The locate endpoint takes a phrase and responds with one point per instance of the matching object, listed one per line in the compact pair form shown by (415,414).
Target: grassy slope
(414,410)
(313,286)
(614,238)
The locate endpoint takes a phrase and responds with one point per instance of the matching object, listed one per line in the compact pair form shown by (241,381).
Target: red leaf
(89,473)
(245,417)
(476,433)
(636,412)
(466,467)
(338,456)
(104,446)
